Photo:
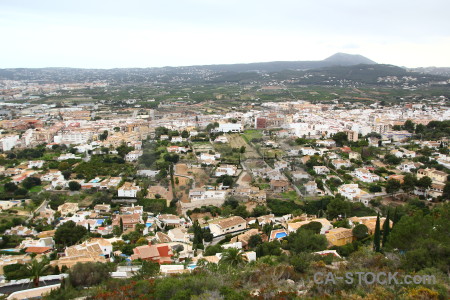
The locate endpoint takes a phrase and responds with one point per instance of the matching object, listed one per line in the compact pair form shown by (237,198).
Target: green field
(248,135)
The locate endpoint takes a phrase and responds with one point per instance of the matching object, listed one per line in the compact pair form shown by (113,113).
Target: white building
(128,189)
(230,170)
(133,155)
(228,225)
(351,191)
(229,127)
(365,176)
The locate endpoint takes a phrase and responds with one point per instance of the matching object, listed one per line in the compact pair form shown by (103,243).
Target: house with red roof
(160,253)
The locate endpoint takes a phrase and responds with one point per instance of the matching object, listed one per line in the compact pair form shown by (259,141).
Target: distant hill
(343,59)
(338,59)
(339,69)
(433,70)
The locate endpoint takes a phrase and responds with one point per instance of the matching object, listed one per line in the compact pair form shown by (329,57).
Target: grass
(291,195)
(248,135)
(36,189)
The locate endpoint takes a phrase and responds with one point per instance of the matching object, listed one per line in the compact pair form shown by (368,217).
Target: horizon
(141,34)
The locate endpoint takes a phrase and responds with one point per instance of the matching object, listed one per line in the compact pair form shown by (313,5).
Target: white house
(308,151)
(351,191)
(230,170)
(321,170)
(229,127)
(35,164)
(365,176)
(339,163)
(221,139)
(228,225)
(128,189)
(66,156)
(133,155)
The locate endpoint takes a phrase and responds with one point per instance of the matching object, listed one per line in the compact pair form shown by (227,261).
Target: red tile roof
(37,250)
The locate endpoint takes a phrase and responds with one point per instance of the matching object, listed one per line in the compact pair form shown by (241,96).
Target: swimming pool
(280,235)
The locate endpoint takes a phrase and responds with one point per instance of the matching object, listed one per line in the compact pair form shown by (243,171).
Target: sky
(148,33)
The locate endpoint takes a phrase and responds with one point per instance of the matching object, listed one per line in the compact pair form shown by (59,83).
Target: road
(39,209)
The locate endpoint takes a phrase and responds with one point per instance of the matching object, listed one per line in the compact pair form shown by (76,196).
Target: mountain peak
(345,59)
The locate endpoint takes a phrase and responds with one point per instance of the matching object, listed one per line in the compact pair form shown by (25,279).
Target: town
(137,187)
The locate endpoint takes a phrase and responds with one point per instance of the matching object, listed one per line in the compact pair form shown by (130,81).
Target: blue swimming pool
(280,235)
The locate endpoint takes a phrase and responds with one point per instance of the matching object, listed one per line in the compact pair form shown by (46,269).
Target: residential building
(279,186)
(435,175)
(351,191)
(230,170)
(128,189)
(133,155)
(161,253)
(129,221)
(364,175)
(228,225)
(321,170)
(68,208)
(339,236)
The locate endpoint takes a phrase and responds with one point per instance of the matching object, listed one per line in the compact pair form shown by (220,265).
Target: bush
(88,274)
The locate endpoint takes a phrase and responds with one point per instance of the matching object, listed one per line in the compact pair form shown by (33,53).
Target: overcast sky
(147,33)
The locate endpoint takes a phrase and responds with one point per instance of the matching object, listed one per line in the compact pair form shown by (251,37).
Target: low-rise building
(128,189)
(279,186)
(228,225)
(435,175)
(339,236)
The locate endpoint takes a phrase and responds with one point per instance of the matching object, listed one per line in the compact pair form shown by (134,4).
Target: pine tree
(377,236)
(89,228)
(395,217)
(121,225)
(386,230)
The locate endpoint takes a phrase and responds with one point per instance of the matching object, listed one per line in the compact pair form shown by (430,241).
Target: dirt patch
(250,206)
(181,169)
(236,141)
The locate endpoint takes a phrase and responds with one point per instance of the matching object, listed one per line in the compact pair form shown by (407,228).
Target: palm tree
(233,257)
(36,269)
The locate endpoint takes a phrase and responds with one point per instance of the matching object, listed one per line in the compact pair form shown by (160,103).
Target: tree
(409,182)
(374,189)
(338,207)
(254,240)
(241,211)
(103,136)
(36,269)
(29,182)
(198,235)
(74,186)
(121,225)
(424,182)
(392,186)
(260,210)
(233,257)
(69,233)
(313,226)
(148,269)
(386,230)
(377,236)
(409,126)
(185,134)
(340,138)
(306,241)
(360,231)
(88,274)
(10,187)
(446,192)
(423,238)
